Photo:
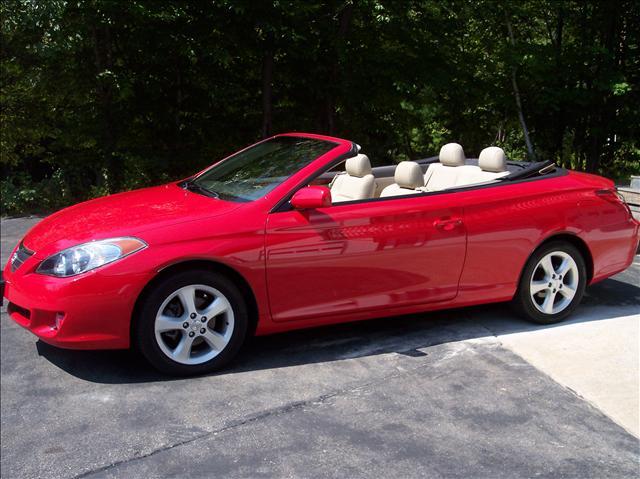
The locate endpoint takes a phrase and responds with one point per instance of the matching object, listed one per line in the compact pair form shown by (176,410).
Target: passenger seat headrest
(492,159)
(358,166)
(452,154)
(409,175)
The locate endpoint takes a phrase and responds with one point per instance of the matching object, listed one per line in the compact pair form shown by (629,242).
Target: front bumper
(90,311)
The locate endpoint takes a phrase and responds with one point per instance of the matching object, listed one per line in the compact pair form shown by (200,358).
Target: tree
(100,95)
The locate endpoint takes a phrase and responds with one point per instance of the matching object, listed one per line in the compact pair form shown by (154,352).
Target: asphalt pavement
(472,392)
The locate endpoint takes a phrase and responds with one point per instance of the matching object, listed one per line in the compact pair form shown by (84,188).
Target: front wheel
(552,283)
(193,322)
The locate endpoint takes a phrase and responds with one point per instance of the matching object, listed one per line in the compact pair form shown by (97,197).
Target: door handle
(447,225)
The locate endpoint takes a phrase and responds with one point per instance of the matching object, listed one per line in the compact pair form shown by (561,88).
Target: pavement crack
(231,425)
(274,412)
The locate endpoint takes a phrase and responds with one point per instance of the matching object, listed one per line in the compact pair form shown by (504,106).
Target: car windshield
(252,173)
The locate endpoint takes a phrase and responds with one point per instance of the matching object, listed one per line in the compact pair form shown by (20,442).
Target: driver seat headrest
(358,166)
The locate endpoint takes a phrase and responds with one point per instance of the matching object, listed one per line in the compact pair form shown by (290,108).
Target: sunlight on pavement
(596,354)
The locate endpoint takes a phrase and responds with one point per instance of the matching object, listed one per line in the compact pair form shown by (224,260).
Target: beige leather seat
(492,164)
(357,183)
(444,174)
(407,177)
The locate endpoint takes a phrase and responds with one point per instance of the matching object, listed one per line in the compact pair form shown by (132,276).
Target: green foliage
(21,194)
(99,96)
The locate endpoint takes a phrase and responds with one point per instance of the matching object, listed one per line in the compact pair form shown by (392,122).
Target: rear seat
(452,171)
(492,164)
(443,175)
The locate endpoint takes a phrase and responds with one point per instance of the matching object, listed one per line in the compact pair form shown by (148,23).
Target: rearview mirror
(311,197)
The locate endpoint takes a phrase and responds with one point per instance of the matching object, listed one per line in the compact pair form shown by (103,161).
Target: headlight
(88,256)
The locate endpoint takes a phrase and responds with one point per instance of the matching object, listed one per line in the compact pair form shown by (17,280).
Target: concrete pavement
(473,392)
(594,355)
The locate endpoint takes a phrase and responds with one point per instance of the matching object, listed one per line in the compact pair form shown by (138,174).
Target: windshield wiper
(196,188)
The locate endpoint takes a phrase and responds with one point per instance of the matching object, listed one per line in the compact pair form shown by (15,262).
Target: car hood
(123,214)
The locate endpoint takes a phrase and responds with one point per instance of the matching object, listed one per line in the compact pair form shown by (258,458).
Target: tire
(190,323)
(549,291)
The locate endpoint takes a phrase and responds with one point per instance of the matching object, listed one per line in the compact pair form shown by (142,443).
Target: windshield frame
(192,182)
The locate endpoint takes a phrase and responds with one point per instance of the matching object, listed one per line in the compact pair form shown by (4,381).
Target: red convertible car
(300,230)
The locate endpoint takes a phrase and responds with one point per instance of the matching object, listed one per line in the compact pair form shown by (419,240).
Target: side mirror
(311,197)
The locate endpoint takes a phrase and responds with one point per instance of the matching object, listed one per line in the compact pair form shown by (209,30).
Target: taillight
(612,195)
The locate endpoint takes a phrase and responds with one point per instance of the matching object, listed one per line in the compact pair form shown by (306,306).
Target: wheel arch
(573,240)
(202,264)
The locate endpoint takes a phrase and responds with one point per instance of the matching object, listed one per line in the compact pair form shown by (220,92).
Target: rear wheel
(191,323)
(552,283)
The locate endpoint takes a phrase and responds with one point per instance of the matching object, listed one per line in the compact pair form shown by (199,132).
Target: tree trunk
(604,112)
(104,62)
(178,114)
(175,143)
(516,93)
(267,93)
(559,118)
(334,76)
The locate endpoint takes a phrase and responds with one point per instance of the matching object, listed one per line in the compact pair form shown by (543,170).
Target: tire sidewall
(524,302)
(144,325)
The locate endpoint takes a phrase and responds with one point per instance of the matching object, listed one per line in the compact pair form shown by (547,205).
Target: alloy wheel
(554,282)
(194,324)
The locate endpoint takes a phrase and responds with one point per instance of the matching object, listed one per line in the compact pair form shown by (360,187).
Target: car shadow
(410,335)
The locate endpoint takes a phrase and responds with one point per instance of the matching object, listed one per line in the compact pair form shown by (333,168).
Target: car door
(363,256)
